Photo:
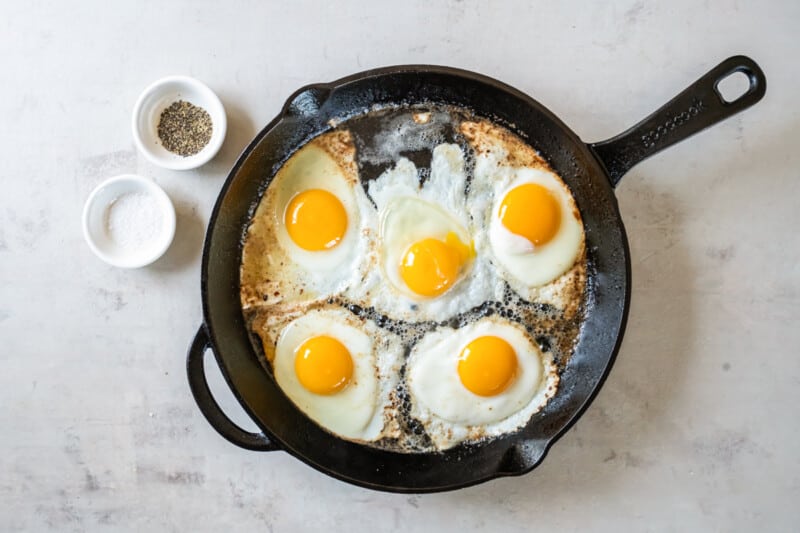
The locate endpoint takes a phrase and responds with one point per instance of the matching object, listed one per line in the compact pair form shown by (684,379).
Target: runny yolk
(487,366)
(316,220)
(531,211)
(323,365)
(429,267)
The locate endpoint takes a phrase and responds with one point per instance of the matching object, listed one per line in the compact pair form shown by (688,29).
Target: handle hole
(224,397)
(733,86)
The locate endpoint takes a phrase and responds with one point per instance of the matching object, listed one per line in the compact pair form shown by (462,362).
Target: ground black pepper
(184,128)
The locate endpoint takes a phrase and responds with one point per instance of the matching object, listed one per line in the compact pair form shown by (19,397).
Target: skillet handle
(699,106)
(195,368)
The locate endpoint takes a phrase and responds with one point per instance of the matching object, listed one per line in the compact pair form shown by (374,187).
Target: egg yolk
(316,220)
(487,366)
(323,365)
(429,267)
(531,211)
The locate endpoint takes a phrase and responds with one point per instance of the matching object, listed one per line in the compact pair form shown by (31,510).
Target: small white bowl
(95,222)
(159,96)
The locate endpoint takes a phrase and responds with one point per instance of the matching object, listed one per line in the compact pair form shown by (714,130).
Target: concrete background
(697,426)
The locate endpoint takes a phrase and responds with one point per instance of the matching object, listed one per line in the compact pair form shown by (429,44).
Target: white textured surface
(697,426)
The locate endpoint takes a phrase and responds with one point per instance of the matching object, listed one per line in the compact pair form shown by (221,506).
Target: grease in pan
(431,255)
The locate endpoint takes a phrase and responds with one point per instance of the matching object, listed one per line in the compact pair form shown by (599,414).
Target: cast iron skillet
(591,171)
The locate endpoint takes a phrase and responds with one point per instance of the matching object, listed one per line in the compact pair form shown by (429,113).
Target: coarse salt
(134,220)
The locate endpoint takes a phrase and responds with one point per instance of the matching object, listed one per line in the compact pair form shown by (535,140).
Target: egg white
(313,168)
(357,411)
(407,220)
(537,265)
(537,273)
(449,411)
(277,270)
(445,186)
(409,212)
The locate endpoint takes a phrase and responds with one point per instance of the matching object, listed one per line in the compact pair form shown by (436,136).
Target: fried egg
(425,251)
(338,370)
(316,215)
(481,380)
(535,229)
(428,266)
(310,235)
(535,233)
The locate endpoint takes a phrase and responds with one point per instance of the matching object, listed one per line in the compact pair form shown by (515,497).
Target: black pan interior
(310,112)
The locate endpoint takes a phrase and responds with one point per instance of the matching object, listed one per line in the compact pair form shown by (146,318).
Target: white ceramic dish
(95,222)
(159,96)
